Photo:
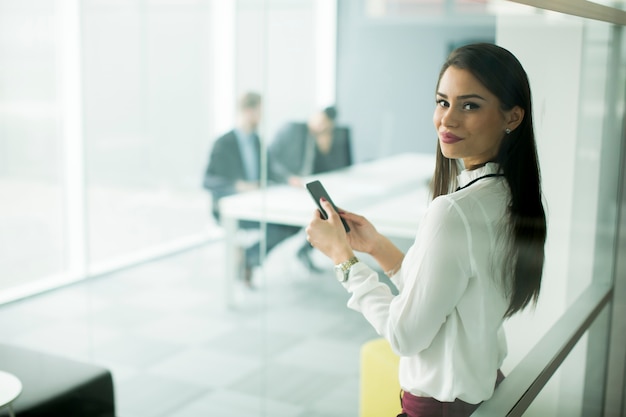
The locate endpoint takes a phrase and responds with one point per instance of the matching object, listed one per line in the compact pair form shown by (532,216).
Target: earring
(507,131)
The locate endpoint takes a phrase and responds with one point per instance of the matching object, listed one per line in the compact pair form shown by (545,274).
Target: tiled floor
(290,348)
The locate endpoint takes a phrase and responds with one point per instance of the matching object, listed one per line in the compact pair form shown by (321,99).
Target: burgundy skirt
(413,406)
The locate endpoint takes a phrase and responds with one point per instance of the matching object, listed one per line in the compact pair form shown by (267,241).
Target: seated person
(302,149)
(234,167)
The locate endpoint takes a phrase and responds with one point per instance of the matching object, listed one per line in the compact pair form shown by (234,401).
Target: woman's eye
(470,106)
(442,103)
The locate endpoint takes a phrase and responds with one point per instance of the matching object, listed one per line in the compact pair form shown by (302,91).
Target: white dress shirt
(446,321)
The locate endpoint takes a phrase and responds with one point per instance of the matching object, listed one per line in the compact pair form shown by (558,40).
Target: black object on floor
(56,386)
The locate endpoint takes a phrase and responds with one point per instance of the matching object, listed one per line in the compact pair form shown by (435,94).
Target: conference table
(392,192)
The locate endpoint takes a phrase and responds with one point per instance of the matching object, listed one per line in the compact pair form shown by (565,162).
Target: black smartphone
(317,191)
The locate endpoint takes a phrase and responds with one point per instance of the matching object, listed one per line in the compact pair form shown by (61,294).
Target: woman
(478,254)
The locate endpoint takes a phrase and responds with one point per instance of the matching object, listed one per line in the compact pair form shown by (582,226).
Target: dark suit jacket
(225,167)
(287,151)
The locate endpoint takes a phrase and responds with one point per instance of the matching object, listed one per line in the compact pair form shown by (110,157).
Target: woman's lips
(448,137)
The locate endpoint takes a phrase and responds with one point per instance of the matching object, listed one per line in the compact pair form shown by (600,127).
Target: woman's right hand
(363,236)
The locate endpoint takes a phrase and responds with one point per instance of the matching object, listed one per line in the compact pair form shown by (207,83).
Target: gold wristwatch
(342,270)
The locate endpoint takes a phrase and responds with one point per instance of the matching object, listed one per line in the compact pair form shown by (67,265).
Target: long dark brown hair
(503,75)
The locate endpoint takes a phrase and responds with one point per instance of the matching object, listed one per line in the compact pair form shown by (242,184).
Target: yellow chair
(380,389)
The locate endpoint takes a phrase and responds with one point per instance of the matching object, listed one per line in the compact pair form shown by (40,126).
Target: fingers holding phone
(328,234)
(363,236)
(333,216)
(318,192)
(327,230)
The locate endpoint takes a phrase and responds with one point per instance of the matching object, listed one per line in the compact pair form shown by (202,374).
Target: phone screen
(317,191)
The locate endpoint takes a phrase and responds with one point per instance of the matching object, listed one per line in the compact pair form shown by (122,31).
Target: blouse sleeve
(434,275)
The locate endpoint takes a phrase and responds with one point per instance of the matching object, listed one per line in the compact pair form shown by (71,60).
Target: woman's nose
(449,118)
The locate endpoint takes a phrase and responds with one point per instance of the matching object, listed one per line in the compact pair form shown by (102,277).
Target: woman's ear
(514,117)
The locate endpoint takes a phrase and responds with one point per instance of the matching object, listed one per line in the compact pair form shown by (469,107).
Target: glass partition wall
(576,68)
(31,139)
(104,134)
(108,112)
(146,107)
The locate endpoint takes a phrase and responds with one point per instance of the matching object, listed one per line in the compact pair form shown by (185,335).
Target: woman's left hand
(329,236)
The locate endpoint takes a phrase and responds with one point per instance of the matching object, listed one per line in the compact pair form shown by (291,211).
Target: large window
(32,212)
(108,113)
(146,70)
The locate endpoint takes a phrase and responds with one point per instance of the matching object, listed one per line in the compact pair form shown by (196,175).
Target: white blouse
(446,321)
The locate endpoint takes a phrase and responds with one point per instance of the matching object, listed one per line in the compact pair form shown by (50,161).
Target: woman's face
(469,121)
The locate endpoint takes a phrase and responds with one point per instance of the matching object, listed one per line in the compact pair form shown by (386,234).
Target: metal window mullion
(70,81)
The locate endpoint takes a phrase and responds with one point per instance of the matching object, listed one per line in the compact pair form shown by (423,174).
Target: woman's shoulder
(458,205)
(484,203)
(444,210)
(443,226)
(443,203)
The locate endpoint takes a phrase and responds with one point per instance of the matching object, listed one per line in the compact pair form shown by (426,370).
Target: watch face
(341,276)
(343,269)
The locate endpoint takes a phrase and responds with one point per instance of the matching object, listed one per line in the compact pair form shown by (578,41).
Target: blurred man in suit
(301,149)
(234,162)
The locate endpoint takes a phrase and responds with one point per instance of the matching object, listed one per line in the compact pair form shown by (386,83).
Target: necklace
(479,178)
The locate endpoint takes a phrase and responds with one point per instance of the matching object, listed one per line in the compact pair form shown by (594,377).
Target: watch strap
(345,266)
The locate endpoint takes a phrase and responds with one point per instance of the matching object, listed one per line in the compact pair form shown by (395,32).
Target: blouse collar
(467,176)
